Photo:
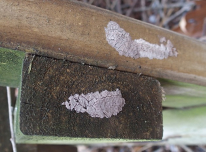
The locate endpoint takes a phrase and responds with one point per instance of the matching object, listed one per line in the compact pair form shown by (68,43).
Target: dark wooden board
(47,82)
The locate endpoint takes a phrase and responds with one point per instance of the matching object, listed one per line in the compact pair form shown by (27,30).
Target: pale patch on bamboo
(119,39)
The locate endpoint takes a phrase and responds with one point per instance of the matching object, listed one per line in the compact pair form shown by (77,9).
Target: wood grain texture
(50,82)
(75,31)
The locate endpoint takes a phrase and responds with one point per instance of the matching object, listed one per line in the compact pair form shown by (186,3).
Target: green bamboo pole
(182,95)
(10,67)
(75,31)
(185,126)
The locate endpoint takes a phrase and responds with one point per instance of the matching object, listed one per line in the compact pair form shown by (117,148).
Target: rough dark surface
(47,82)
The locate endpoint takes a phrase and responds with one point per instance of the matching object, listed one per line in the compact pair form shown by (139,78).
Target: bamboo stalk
(75,31)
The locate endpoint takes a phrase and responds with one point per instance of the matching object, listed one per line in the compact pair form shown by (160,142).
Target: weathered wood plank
(10,67)
(47,82)
(75,31)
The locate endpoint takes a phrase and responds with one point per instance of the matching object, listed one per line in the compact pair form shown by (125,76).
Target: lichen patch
(104,104)
(119,39)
